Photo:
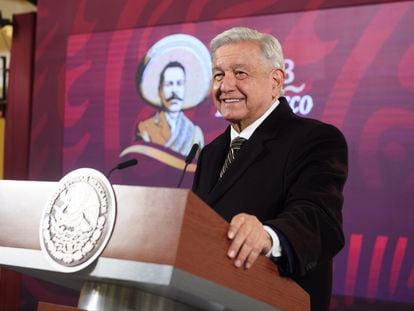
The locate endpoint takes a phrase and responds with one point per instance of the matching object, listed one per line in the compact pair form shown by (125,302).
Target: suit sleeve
(310,225)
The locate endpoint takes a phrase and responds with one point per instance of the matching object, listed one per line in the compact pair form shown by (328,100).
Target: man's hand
(249,240)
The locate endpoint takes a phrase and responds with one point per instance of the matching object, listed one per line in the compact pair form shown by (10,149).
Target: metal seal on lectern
(78,220)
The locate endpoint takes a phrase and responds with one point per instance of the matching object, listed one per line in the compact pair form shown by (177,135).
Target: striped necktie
(235,146)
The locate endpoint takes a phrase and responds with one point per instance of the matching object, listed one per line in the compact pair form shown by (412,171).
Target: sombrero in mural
(189,52)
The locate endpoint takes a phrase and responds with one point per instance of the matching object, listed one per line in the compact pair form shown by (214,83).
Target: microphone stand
(188,160)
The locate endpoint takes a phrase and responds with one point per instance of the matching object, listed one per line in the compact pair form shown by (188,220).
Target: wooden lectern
(167,252)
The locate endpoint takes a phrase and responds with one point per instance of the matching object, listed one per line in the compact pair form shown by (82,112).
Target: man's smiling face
(244,83)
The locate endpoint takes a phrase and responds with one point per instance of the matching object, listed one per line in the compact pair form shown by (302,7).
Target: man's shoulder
(309,124)
(307,130)
(314,124)
(295,128)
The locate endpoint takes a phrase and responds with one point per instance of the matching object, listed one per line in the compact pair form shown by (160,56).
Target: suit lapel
(247,155)
(214,159)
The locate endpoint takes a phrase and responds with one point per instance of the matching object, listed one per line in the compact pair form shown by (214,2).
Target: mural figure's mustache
(173,96)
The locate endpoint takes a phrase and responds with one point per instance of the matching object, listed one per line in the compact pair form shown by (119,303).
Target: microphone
(122,165)
(188,160)
(191,154)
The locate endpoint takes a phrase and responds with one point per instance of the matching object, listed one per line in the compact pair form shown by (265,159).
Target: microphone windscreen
(191,154)
(126,164)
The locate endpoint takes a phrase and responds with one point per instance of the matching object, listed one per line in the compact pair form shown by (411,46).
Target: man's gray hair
(272,50)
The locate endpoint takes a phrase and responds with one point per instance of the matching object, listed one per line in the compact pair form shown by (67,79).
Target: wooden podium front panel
(150,220)
(204,236)
(164,230)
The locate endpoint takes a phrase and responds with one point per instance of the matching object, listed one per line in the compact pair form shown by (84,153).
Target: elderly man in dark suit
(276,177)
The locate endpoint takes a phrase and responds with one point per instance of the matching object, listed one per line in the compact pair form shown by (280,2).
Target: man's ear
(278,77)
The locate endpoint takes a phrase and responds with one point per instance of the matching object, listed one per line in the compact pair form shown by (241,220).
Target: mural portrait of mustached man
(173,77)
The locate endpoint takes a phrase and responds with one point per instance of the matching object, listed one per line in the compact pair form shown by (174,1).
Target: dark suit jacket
(290,174)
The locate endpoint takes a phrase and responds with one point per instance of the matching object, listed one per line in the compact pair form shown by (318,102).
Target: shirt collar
(248,131)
